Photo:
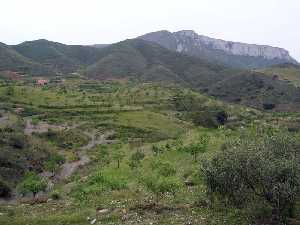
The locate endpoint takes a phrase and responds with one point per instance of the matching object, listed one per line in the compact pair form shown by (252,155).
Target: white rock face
(234,48)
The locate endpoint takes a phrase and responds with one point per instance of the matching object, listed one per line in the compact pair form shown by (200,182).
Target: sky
(270,22)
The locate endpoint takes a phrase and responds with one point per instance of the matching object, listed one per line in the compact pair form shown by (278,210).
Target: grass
(170,127)
(142,115)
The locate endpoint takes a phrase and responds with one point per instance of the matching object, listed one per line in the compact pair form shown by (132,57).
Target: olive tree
(258,169)
(118,154)
(32,183)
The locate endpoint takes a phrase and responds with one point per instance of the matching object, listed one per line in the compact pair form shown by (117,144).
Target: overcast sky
(271,22)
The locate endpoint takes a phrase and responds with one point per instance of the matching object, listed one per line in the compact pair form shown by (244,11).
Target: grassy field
(142,172)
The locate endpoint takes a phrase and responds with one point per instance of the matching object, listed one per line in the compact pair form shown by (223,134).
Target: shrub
(109,181)
(32,183)
(269,106)
(210,118)
(98,183)
(136,159)
(17,141)
(54,162)
(257,169)
(163,168)
(157,150)
(160,185)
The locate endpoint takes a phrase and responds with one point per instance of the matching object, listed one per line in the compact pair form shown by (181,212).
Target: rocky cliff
(230,53)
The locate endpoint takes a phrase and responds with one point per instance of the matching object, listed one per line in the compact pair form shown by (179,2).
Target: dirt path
(69,168)
(41,127)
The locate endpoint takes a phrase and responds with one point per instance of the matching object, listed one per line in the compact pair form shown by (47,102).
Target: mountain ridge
(234,54)
(148,61)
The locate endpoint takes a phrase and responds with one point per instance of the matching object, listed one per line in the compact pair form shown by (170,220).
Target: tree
(258,170)
(118,154)
(136,159)
(32,183)
(199,147)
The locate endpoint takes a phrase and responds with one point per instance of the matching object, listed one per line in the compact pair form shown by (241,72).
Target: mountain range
(211,66)
(233,54)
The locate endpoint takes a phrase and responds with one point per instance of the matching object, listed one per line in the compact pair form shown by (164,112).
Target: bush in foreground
(262,170)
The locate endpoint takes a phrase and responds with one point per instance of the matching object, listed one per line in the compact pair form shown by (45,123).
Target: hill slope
(12,60)
(234,54)
(259,91)
(147,61)
(287,72)
(60,57)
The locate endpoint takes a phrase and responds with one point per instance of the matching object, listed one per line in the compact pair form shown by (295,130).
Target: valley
(135,133)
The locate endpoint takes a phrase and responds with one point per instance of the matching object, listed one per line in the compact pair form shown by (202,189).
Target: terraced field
(118,153)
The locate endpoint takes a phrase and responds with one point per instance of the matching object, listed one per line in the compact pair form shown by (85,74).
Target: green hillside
(126,153)
(61,58)
(146,61)
(258,90)
(12,60)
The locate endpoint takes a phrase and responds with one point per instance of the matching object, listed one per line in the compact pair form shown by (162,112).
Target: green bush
(257,169)
(54,162)
(135,159)
(107,181)
(32,183)
(163,168)
(157,150)
(98,183)
(160,185)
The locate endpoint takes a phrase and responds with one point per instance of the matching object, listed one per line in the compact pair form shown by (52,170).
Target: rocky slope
(233,54)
